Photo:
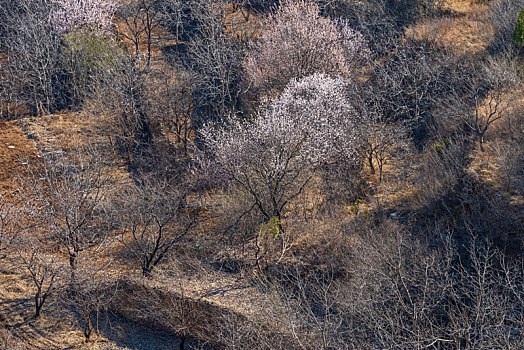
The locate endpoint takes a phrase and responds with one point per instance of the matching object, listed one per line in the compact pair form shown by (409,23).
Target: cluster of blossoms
(296,41)
(311,124)
(68,15)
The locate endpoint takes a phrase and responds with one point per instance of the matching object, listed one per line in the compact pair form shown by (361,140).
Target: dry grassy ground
(15,150)
(464,28)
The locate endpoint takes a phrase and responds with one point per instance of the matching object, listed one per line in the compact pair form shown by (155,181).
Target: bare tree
(31,50)
(94,293)
(122,94)
(33,47)
(173,15)
(44,270)
(216,57)
(414,81)
(492,96)
(154,220)
(134,30)
(70,192)
(172,105)
(178,312)
(175,312)
(308,308)
(139,20)
(400,293)
(12,220)
(383,141)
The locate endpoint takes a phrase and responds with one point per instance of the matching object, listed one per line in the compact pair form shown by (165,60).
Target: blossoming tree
(274,157)
(296,41)
(67,15)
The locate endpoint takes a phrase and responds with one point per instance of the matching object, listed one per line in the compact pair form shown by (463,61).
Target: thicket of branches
(309,148)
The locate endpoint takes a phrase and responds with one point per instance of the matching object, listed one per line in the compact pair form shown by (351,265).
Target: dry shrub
(504,14)
(508,151)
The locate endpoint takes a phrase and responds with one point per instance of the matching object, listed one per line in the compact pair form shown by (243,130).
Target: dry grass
(465,30)
(15,149)
(73,132)
(462,6)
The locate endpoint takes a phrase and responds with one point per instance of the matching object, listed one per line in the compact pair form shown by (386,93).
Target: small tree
(139,19)
(491,96)
(216,57)
(122,94)
(172,104)
(383,140)
(69,192)
(296,42)
(154,221)
(94,292)
(44,270)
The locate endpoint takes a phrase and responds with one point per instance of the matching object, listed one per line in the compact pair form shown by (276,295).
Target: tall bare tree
(70,191)
(139,19)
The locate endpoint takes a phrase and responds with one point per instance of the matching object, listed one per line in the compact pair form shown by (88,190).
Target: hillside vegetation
(293,174)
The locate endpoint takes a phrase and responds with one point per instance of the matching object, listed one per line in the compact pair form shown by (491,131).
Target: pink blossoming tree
(296,41)
(274,157)
(67,15)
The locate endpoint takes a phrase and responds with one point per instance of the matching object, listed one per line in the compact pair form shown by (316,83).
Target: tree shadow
(134,336)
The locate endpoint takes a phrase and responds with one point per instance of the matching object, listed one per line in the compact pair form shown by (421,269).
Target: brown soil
(15,150)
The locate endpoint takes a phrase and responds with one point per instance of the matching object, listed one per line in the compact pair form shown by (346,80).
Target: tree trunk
(88,329)
(38,305)
(72,265)
(146,271)
(370,161)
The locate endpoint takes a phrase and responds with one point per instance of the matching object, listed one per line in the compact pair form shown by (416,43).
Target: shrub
(84,59)
(518,35)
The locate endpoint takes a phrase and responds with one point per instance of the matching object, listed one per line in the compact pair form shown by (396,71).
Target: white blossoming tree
(68,15)
(296,41)
(274,157)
